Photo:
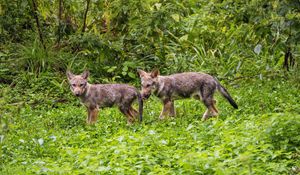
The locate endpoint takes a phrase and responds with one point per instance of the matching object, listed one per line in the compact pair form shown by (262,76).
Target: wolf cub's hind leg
(128,113)
(215,110)
(133,112)
(211,110)
(172,109)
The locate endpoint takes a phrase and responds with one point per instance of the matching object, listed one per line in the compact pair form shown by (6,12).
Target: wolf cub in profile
(95,96)
(183,85)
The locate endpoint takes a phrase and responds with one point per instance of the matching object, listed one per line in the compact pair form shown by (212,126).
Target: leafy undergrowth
(261,137)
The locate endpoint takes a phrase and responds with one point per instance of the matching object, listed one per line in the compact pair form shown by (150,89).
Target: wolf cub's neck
(87,92)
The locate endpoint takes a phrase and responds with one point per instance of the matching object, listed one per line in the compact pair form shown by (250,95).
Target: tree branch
(35,15)
(85,15)
(60,11)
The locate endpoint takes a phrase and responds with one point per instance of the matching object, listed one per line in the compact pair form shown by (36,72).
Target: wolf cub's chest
(90,104)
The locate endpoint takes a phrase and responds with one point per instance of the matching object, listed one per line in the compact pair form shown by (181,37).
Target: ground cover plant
(261,137)
(251,47)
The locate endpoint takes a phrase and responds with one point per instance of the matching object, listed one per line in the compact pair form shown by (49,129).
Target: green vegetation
(251,46)
(47,136)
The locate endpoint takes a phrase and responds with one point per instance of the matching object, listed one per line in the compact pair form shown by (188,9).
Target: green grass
(40,135)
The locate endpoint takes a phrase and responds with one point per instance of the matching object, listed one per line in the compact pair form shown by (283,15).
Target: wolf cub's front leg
(92,115)
(168,109)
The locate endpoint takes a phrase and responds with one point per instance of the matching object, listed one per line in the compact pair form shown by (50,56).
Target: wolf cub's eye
(148,85)
(73,85)
(81,85)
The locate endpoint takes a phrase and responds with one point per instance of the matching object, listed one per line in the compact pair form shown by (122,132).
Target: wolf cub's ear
(69,75)
(141,72)
(154,73)
(85,74)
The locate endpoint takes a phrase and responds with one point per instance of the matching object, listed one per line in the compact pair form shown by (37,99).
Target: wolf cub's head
(78,82)
(149,82)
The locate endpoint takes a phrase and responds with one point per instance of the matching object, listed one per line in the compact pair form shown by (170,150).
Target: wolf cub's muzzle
(78,91)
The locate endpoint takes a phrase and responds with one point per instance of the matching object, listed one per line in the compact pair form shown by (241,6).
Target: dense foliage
(226,38)
(46,136)
(251,46)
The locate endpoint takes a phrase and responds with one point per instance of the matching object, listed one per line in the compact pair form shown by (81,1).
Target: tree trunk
(59,32)
(35,15)
(85,15)
(289,60)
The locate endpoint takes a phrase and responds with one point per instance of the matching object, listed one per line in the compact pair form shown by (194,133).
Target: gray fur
(95,96)
(183,85)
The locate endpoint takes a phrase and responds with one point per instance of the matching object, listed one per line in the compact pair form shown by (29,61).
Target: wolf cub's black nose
(145,97)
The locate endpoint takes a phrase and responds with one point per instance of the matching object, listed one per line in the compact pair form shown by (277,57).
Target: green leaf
(125,68)
(184,38)
(131,75)
(111,69)
(176,17)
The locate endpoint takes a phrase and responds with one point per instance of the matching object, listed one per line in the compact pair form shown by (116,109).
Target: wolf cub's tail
(226,94)
(140,101)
